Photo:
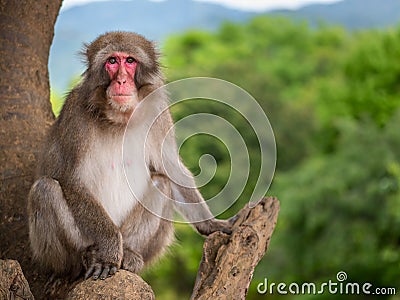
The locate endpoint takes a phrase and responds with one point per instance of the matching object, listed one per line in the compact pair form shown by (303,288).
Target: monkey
(84,218)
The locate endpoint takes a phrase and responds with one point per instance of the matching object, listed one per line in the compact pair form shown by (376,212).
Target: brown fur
(80,220)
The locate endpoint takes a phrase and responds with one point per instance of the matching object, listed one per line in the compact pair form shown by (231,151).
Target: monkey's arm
(190,203)
(103,257)
(188,200)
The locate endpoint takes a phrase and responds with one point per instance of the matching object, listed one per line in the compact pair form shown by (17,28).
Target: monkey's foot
(95,267)
(132,261)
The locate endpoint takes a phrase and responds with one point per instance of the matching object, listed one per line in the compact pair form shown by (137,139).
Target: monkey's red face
(121,68)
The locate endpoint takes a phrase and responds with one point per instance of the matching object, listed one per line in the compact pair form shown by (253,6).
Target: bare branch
(228,261)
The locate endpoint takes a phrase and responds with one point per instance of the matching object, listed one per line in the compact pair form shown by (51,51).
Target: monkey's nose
(121,82)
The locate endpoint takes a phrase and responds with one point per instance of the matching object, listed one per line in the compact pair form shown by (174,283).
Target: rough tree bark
(13,284)
(26,33)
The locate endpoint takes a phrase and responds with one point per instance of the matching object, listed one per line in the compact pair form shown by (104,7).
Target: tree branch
(228,261)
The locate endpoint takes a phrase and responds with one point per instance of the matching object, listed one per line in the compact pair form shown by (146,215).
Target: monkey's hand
(101,262)
(132,261)
(210,226)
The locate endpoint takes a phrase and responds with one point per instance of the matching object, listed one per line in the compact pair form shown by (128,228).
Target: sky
(249,5)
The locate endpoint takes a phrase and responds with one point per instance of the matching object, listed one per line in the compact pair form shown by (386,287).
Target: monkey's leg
(103,257)
(148,229)
(55,239)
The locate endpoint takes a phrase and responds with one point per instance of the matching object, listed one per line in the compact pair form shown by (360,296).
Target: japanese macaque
(84,217)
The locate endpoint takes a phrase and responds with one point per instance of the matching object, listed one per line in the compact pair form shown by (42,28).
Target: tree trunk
(27,29)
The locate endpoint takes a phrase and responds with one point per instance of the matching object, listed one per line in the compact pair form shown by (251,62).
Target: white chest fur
(115,172)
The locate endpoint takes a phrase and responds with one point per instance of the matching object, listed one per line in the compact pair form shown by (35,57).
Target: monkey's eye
(112,60)
(130,60)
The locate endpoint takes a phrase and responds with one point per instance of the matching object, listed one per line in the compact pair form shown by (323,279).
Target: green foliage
(331,97)
(56,102)
(367,82)
(373,76)
(340,211)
